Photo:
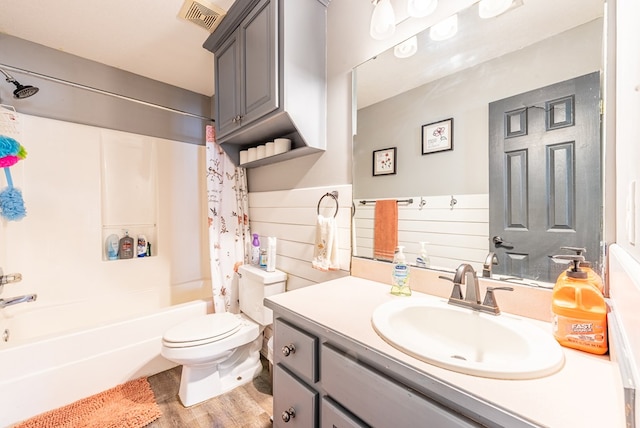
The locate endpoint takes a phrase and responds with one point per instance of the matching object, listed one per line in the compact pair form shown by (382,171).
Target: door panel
(545,173)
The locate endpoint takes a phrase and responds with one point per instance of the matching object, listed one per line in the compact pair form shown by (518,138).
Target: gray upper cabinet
(270,76)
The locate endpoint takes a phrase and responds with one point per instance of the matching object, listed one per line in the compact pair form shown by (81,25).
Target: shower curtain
(229,234)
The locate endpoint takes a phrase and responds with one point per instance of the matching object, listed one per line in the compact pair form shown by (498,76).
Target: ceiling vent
(202,13)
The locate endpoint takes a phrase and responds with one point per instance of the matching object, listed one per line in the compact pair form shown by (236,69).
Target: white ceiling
(144,37)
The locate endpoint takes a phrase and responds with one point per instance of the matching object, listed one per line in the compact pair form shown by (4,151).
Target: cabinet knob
(288,350)
(237,119)
(287,415)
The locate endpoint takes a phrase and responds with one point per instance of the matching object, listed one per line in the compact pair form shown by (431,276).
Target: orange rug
(130,405)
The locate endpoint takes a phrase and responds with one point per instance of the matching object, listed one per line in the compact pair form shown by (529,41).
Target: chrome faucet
(19,299)
(8,279)
(465,274)
(491,260)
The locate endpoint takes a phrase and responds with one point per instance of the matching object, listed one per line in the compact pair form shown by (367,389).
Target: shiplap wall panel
(291,216)
(457,233)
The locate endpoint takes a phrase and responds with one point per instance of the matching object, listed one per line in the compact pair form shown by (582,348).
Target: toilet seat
(202,330)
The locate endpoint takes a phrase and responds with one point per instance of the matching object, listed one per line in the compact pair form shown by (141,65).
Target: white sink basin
(466,341)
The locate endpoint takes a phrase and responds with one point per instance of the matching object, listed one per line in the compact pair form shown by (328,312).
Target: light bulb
(383,20)
(407,48)
(491,8)
(444,29)
(421,8)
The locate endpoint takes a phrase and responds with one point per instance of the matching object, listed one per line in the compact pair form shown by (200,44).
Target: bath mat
(130,405)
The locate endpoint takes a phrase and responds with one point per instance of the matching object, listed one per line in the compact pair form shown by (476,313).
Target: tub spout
(19,299)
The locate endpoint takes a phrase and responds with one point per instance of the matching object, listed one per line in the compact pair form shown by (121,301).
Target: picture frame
(437,136)
(384,161)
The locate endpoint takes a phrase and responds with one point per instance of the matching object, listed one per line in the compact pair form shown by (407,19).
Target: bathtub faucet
(19,299)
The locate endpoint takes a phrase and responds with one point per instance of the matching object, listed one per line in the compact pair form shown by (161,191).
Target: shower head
(21,91)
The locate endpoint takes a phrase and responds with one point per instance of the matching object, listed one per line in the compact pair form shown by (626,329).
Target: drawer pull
(288,349)
(287,415)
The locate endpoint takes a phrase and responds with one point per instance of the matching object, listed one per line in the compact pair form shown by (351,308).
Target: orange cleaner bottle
(586,266)
(579,310)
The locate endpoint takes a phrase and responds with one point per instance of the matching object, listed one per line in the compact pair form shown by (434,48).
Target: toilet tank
(254,285)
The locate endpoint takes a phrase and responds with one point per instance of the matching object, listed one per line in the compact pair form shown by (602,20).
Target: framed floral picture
(384,161)
(437,136)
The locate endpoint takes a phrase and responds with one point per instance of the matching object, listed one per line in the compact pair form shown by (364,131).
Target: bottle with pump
(586,266)
(579,310)
(400,274)
(125,246)
(423,260)
(255,250)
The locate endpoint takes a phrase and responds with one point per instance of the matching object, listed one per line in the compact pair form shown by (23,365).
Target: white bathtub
(48,371)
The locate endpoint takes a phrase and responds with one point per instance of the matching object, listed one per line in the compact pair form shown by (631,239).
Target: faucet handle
(456,293)
(490,300)
(9,278)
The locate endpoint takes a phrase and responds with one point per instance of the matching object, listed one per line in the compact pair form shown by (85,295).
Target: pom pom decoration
(8,146)
(11,202)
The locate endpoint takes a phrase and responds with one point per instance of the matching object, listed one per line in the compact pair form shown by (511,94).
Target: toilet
(221,351)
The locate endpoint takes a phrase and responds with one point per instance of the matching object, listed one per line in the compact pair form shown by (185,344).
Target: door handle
(498,242)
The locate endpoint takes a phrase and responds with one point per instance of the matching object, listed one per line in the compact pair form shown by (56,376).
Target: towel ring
(334,195)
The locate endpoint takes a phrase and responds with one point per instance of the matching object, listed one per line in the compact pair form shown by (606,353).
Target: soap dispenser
(579,310)
(423,260)
(586,266)
(400,274)
(125,247)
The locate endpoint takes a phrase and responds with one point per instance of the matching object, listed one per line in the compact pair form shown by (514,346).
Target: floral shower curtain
(229,234)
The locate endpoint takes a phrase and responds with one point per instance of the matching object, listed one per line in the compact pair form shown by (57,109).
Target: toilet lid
(203,329)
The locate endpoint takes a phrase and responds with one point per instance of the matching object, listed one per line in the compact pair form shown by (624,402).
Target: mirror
(443,191)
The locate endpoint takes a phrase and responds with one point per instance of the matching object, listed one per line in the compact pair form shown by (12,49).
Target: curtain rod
(103,92)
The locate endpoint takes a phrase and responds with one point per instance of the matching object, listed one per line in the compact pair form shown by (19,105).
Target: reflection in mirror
(531,46)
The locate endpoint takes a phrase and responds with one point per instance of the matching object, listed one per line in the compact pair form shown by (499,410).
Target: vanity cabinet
(270,76)
(320,383)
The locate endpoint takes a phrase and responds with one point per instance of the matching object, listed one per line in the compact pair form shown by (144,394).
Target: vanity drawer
(332,415)
(294,403)
(296,349)
(379,400)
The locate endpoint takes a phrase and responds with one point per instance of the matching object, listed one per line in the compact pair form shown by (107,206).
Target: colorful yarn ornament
(8,146)
(8,161)
(11,202)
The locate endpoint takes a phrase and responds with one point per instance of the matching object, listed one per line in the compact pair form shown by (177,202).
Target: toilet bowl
(221,351)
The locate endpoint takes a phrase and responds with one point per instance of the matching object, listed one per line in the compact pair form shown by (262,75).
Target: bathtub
(45,371)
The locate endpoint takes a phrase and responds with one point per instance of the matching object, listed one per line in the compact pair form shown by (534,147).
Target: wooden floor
(248,406)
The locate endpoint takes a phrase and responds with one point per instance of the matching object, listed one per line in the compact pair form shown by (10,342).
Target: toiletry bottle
(423,260)
(125,247)
(579,310)
(112,247)
(141,250)
(263,258)
(271,254)
(255,250)
(586,266)
(400,274)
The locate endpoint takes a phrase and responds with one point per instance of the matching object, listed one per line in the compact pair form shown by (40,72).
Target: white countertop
(586,392)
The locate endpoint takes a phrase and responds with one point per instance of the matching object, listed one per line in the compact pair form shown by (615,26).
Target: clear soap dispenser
(400,274)
(424,260)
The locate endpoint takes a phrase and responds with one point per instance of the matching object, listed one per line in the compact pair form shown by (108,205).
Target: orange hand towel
(385,229)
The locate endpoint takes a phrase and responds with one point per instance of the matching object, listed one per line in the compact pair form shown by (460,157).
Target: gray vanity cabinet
(245,67)
(318,383)
(270,76)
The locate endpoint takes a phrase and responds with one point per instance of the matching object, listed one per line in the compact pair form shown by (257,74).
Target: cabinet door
(227,97)
(294,403)
(259,70)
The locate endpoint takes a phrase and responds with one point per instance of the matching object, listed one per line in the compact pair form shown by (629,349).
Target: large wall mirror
(428,127)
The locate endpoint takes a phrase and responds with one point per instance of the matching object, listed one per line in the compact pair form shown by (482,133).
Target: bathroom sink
(467,341)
